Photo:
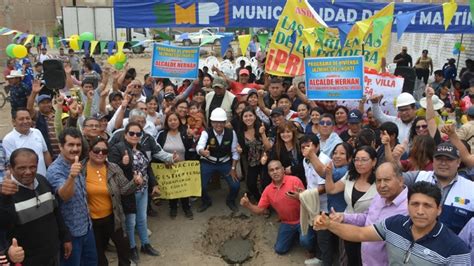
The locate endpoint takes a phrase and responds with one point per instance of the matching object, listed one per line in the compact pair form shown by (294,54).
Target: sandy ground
(185,242)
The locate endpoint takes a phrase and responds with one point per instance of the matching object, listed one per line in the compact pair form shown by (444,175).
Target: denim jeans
(83,251)
(207,169)
(138,219)
(287,234)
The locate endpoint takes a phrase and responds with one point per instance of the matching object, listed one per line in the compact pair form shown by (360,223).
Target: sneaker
(134,255)
(204,207)
(232,206)
(173,213)
(148,249)
(148,232)
(312,261)
(189,214)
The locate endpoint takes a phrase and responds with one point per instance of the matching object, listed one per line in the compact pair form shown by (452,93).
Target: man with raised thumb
(37,227)
(65,176)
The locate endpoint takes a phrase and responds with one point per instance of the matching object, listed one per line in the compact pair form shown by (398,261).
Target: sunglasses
(99,150)
(421,127)
(325,123)
(132,134)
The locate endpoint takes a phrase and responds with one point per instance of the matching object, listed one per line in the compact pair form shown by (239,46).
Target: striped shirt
(440,247)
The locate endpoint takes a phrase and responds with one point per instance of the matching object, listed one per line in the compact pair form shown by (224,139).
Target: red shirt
(288,209)
(237,87)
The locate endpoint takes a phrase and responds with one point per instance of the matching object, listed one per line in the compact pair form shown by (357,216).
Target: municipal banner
(288,47)
(265,13)
(174,62)
(334,78)
(385,84)
(181,180)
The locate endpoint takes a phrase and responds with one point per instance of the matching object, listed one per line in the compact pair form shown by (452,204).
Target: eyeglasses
(361,160)
(408,253)
(132,134)
(99,150)
(93,126)
(325,123)
(421,127)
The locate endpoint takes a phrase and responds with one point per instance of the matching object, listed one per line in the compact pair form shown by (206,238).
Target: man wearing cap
(403,58)
(23,136)
(406,113)
(457,196)
(218,149)
(28,73)
(43,117)
(43,55)
(221,98)
(243,81)
(466,131)
(355,125)
(19,91)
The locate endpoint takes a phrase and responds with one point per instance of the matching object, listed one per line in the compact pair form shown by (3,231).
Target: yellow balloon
(121,57)
(74,37)
(19,51)
(462,48)
(112,60)
(74,44)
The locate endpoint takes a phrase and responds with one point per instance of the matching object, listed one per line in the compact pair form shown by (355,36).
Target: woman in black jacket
(134,161)
(174,139)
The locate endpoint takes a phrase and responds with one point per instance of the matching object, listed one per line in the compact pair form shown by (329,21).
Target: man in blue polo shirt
(457,192)
(64,175)
(417,239)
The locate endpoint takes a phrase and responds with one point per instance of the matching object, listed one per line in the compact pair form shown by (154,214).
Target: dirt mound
(230,237)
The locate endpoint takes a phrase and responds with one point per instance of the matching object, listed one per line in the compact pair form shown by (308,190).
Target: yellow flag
(449,9)
(120,46)
(244,41)
(362,28)
(93,45)
(74,43)
(285,53)
(28,39)
(51,42)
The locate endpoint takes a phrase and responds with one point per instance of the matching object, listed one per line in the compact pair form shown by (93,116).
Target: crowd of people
(356,187)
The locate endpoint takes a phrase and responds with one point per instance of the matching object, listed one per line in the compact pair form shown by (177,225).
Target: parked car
(211,35)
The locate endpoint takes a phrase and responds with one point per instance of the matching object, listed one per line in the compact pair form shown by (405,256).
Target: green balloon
(118,66)
(9,50)
(86,36)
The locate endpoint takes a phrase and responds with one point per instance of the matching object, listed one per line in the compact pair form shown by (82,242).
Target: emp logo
(196,13)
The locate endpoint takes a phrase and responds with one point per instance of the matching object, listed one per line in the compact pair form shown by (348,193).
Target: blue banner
(334,78)
(174,62)
(265,13)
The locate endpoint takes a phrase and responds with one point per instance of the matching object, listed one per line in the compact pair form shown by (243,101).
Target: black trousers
(353,253)
(184,203)
(103,231)
(253,172)
(423,73)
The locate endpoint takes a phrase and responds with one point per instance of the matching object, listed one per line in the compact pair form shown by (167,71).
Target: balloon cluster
(458,48)
(74,39)
(117,60)
(16,51)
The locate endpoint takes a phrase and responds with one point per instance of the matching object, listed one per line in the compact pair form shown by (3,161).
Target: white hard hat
(219,114)
(405,99)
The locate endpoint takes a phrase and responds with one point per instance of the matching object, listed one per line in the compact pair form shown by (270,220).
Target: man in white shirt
(406,113)
(43,55)
(23,136)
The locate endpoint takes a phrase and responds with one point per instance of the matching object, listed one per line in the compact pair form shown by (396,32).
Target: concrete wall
(33,16)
